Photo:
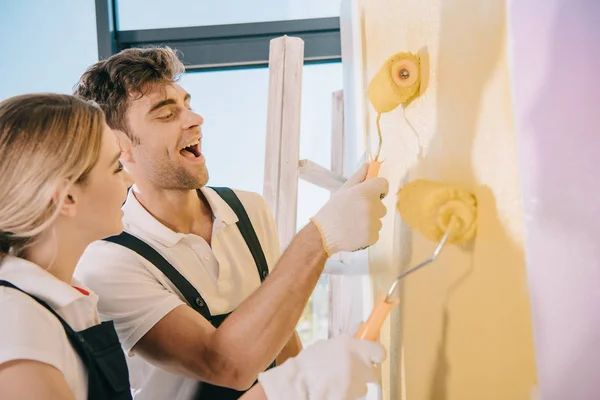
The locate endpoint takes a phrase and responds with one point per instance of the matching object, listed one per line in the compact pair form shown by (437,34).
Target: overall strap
(188,291)
(246,229)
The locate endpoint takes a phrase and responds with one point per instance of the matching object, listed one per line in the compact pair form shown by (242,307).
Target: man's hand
(336,369)
(351,219)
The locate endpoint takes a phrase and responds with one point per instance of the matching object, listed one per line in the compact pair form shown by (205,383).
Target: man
(199,253)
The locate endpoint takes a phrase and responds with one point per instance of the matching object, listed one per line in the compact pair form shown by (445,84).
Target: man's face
(168,154)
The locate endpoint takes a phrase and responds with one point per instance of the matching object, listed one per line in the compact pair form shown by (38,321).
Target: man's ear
(125,145)
(68,199)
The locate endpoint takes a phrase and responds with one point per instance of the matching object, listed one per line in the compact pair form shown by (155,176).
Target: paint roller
(441,213)
(401,79)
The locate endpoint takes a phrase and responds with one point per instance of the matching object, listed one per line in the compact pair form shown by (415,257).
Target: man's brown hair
(113,82)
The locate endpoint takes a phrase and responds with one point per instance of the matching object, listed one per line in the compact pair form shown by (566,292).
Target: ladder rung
(320,176)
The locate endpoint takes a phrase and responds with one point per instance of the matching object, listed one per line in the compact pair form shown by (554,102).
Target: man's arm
(153,322)
(233,355)
(185,343)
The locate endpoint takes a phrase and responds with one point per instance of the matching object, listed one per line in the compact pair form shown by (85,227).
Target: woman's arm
(256,393)
(26,379)
(292,348)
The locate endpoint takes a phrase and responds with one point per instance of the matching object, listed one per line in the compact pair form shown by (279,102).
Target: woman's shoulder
(24,309)
(29,331)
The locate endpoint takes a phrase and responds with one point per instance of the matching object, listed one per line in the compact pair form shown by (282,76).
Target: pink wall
(555,67)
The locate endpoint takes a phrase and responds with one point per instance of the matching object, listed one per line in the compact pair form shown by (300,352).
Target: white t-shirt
(136,295)
(31,332)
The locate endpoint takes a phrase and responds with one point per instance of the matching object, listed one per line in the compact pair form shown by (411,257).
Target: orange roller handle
(373,170)
(370,329)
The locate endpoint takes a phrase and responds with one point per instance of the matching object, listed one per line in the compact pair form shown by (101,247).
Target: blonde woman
(62,188)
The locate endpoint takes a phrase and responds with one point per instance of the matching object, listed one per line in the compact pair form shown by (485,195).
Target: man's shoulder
(104,254)
(261,216)
(258,210)
(254,203)
(106,248)
(251,199)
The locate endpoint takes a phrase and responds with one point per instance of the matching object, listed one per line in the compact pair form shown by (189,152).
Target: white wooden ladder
(283,168)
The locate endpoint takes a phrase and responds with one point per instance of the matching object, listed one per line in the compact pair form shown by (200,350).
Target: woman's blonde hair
(47,143)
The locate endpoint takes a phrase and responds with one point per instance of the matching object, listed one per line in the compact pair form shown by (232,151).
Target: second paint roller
(440,212)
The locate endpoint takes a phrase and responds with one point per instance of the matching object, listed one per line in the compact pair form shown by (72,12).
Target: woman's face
(100,198)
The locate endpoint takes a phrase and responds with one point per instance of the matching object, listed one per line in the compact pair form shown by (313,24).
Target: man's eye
(167,117)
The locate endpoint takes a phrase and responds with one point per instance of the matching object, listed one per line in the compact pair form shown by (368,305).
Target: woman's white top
(30,332)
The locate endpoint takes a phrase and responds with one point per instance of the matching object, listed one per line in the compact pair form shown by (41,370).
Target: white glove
(335,369)
(351,219)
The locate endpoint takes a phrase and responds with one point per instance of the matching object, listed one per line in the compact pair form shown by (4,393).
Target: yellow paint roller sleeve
(387,90)
(429,207)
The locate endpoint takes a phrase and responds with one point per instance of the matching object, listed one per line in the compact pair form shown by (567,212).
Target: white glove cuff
(326,224)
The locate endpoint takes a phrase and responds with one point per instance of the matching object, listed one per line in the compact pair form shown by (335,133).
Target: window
(40,51)
(234,106)
(185,13)
(314,323)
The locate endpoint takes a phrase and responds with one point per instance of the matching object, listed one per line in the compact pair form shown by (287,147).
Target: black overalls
(194,299)
(100,350)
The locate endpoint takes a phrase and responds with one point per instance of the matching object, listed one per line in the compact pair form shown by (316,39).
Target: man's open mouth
(191,150)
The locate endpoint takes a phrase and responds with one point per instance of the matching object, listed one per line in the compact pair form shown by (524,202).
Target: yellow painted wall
(463,330)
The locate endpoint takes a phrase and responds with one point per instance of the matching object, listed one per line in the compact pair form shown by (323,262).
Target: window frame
(220,47)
